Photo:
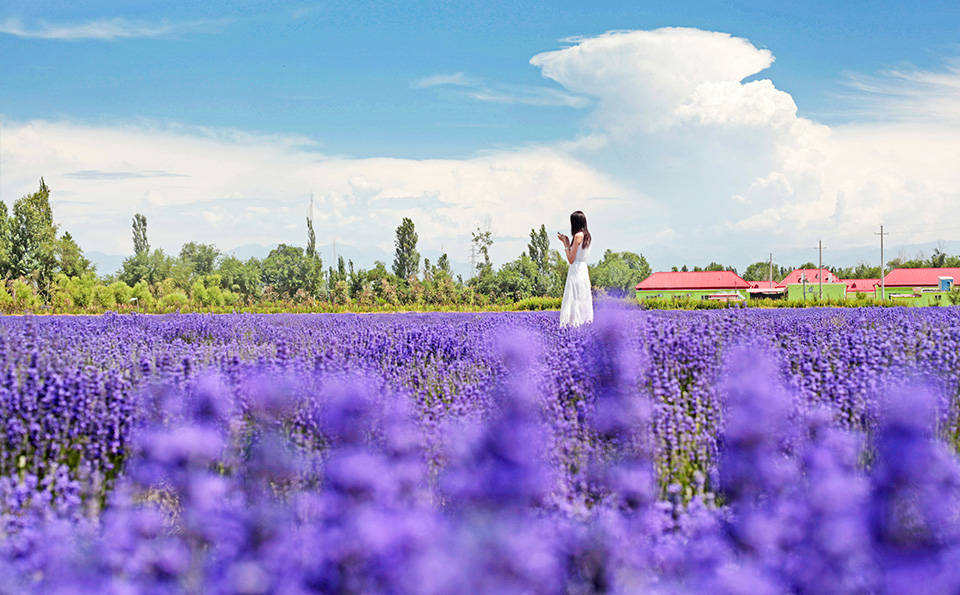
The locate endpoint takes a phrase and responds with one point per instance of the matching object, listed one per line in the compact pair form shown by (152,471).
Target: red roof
(812,275)
(919,277)
(861,285)
(765,285)
(693,280)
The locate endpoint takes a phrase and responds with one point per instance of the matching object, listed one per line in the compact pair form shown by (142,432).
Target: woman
(577,305)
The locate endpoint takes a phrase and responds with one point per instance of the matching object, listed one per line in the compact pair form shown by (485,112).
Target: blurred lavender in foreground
(720,452)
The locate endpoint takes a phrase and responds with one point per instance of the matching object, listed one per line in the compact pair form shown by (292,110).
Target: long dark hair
(578,222)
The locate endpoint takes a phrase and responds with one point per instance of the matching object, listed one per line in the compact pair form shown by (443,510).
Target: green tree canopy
(151,267)
(284,270)
(620,270)
(539,247)
(199,258)
(760,271)
(241,277)
(482,240)
(406,260)
(861,271)
(70,259)
(33,237)
(313,265)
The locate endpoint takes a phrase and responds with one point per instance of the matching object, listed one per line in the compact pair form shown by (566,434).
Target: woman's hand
(564,239)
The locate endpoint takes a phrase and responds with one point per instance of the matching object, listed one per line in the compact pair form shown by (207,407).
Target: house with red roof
(921,287)
(767,290)
(705,285)
(862,287)
(810,284)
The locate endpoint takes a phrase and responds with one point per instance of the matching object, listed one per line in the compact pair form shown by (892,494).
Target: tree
(539,247)
(620,270)
(33,237)
(335,275)
(861,271)
(482,241)
(4,241)
(198,258)
(140,243)
(152,267)
(311,238)
(760,271)
(313,265)
(356,279)
(406,261)
(5,224)
(70,259)
(443,267)
(240,277)
(714,266)
(544,281)
(515,280)
(283,269)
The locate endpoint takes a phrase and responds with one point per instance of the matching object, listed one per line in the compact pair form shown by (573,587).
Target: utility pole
(883,264)
(771,270)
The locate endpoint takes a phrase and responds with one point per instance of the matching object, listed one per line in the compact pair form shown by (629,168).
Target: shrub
(104,297)
(141,291)
(174,300)
(121,293)
(341,293)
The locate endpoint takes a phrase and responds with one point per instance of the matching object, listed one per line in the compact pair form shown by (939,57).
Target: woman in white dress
(577,305)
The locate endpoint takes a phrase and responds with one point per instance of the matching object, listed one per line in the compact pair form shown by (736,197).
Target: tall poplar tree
(313,265)
(140,243)
(406,260)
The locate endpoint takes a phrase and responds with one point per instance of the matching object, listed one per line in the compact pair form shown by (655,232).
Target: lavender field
(733,451)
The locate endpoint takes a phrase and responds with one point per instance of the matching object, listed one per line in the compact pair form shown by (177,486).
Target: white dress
(577,305)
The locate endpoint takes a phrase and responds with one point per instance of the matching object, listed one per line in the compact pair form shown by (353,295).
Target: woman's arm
(574,246)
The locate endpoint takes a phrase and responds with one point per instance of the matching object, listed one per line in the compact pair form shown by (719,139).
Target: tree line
(42,267)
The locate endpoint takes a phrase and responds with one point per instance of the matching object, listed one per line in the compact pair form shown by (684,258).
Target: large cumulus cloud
(735,167)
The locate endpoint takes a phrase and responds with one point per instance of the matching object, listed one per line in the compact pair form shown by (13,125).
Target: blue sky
(368,104)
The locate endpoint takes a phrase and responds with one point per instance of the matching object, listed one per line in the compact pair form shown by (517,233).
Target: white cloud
(456,79)
(110,29)
(233,189)
(527,95)
(501,93)
(642,77)
(910,94)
